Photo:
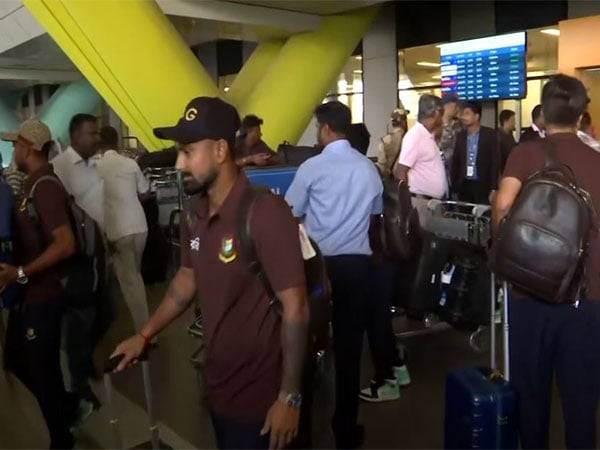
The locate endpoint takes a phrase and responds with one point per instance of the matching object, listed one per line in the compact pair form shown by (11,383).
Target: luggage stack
(451,275)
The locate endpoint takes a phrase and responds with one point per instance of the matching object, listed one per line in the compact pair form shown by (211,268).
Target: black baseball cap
(203,118)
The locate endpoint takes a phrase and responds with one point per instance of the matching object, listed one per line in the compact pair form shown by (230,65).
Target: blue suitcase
(481,404)
(278,179)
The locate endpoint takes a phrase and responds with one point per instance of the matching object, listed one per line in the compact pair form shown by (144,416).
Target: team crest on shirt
(227,251)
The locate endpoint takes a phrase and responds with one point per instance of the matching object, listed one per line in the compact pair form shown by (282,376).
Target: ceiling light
(436,77)
(551,31)
(226,89)
(427,64)
(536,73)
(357,71)
(358,58)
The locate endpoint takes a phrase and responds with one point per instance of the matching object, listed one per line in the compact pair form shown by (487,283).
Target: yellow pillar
(132,55)
(253,70)
(305,68)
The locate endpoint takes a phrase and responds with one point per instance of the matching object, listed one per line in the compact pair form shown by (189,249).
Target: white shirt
(420,152)
(81,180)
(123,180)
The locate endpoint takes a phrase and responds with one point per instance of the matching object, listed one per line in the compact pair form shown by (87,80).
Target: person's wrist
(290,399)
(145,338)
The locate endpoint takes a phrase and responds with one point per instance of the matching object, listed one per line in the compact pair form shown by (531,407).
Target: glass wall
(419,72)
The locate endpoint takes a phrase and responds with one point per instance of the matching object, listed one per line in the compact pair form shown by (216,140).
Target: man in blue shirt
(335,194)
(476,161)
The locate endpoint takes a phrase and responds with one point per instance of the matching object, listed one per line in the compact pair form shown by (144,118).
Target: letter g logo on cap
(191,114)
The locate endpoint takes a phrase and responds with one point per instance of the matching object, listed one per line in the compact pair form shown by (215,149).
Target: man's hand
(282,421)
(131,349)
(261,159)
(8,274)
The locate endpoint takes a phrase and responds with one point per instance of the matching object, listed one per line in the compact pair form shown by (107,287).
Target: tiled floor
(415,421)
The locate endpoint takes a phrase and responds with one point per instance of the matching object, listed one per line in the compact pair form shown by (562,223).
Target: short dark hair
(473,106)
(505,115)
(359,137)
(251,121)
(450,98)
(78,120)
(428,105)
(336,115)
(536,112)
(564,99)
(109,137)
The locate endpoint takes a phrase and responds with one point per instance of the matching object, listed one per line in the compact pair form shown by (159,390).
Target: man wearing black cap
(256,347)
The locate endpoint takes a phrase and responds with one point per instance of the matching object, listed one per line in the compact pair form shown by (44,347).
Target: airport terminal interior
(135,64)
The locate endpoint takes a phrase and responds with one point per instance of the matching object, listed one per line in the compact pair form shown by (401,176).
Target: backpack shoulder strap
(244,219)
(39,180)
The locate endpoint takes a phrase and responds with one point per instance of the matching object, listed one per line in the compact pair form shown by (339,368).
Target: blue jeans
(564,340)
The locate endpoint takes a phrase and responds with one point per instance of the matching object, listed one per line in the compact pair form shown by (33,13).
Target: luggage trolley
(456,231)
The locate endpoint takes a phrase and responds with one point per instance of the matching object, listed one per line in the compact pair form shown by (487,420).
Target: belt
(422,196)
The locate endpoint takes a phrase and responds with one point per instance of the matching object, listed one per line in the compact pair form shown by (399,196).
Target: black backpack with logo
(542,243)
(318,288)
(85,273)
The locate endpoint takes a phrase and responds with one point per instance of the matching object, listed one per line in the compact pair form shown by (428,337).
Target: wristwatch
(21,277)
(293,399)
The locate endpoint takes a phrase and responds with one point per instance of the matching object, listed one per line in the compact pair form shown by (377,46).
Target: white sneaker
(402,375)
(381,392)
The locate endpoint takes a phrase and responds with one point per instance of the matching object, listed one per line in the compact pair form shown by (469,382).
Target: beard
(192,186)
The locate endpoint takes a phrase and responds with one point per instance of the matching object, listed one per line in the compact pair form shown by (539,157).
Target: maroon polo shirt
(242,332)
(31,239)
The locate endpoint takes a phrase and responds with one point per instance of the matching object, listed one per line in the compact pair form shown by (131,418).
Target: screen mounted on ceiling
(489,68)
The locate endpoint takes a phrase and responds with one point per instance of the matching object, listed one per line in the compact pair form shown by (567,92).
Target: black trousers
(555,339)
(474,192)
(382,341)
(33,355)
(349,276)
(235,435)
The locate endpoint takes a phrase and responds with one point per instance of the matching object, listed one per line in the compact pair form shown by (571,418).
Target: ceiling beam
(17,25)
(225,11)
(54,76)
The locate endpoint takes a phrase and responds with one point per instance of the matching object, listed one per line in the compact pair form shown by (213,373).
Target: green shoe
(381,392)
(402,375)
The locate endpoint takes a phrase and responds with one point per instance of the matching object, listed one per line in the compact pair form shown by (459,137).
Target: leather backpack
(541,245)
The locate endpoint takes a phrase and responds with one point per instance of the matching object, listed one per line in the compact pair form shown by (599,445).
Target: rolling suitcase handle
(110,366)
(505,327)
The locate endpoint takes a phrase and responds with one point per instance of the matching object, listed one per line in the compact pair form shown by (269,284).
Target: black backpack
(318,288)
(85,273)
(399,230)
(542,243)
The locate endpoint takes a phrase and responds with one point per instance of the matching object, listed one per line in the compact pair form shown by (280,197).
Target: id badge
(470,171)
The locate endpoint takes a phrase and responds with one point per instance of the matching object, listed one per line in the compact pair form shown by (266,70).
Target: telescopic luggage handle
(505,326)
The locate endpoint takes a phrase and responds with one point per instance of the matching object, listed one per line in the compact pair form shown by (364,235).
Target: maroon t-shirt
(242,332)
(31,239)
(528,158)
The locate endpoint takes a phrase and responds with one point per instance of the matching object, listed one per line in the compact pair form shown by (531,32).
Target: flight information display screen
(489,68)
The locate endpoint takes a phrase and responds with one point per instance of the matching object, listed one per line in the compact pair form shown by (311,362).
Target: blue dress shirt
(472,150)
(336,193)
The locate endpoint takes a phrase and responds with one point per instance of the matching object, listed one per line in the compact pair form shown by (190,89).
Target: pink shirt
(421,153)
